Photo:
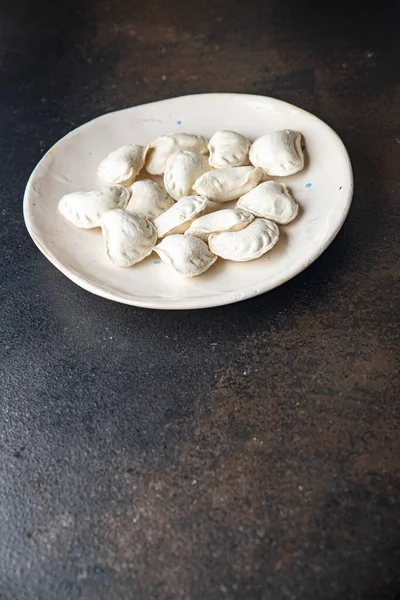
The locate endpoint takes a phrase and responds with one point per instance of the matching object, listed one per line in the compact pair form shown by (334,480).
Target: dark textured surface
(246,452)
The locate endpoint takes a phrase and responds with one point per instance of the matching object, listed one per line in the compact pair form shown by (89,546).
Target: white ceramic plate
(323,189)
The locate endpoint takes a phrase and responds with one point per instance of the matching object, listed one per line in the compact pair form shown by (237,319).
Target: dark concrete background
(246,452)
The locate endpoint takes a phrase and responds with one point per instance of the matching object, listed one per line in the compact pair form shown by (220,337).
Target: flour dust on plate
(150,135)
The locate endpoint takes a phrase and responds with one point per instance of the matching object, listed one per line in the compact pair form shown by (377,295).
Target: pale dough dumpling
(186,254)
(278,153)
(228,184)
(270,200)
(123,165)
(128,237)
(148,199)
(228,149)
(228,219)
(182,170)
(249,243)
(163,147)
(178,218)
(84,209)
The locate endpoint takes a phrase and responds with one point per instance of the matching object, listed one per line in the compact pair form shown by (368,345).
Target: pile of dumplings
(174,219)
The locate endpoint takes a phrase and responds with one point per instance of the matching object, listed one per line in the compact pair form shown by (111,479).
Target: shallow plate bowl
(323,190)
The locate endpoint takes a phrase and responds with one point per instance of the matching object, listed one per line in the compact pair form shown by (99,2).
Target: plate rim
(222,299)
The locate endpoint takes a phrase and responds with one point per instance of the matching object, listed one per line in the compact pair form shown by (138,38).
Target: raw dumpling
(228,184)
(148,199)
(128,237)
(270,200)
(278,153)
(84,209)
(228,149)
(182,170)
(178,218)
(186,254)
(250,243)
(228,219)
(163,147)
(123,165)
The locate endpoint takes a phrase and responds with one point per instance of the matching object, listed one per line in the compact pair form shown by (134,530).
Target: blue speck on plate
(179,122)
(156,262)
(308,185)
